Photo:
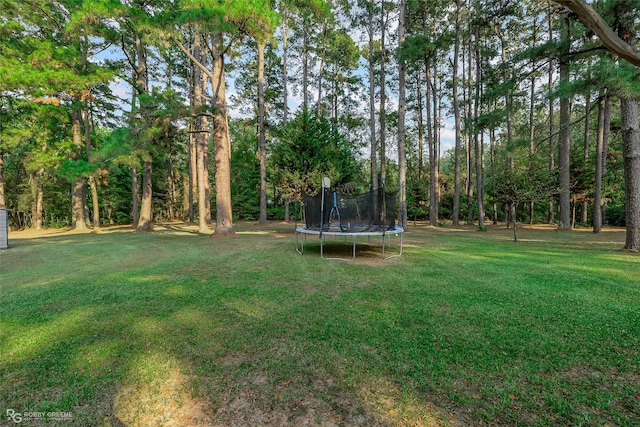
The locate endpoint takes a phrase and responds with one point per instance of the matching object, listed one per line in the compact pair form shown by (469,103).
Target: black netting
(374,211)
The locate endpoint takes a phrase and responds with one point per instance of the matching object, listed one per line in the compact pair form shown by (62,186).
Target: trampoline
(369,215)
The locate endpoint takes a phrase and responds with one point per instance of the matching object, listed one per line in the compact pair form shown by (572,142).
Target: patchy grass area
(466,328)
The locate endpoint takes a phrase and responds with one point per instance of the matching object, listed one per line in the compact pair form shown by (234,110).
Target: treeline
(540,113)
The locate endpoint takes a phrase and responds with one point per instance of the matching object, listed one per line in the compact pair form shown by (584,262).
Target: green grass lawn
(175,328)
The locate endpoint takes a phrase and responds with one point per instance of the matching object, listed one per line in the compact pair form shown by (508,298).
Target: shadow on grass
(157,329)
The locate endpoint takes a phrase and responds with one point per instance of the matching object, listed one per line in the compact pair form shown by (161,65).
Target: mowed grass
(175,328)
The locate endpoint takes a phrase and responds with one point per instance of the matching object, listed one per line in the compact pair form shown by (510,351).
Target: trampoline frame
(385,234)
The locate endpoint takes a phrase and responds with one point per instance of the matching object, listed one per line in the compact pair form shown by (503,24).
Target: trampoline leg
(353,255)
(300,248)
(353,252)
(384,244)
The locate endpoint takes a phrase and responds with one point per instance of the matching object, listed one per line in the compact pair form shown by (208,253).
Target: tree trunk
(605,147)
(597,188)
(38,197)
(78,192)
(419,112)
(478,139)
(193,170)
(456,116)
(321,68)
(171,187)
(202,140)
(587,125)
(372,108)
(469,141)
(135,212)
(287,215)
(383,99)
(433,208)
(146,208)
(142,82)
(436,140)
(94,201)
(92,179)
(78,198)
(185,198)
(285,77)
(631,153)
(479,152)
(3,202)
(191,186)
(224,216)
(261,134)
(564,140)
(508,100)
(402,109)
(305,69)
(532,94)
(550,216)
(334,99)
(492,155)
(630,141)
(204,147)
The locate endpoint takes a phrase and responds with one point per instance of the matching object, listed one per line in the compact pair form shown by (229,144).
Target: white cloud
(447,137)
(121,89)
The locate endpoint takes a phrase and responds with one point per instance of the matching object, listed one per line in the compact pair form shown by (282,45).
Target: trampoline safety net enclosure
(333,214)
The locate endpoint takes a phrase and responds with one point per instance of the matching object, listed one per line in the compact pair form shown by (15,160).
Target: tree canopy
(128,99)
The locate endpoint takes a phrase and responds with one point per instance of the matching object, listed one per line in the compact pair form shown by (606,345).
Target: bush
(615,215)
(123,218)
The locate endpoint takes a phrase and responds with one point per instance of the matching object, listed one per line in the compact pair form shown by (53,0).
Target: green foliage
(245,170)
(115,195)
(152,125)
(71,169)
(52,63)
(342,52)
(254,18)
(533,183)
(308,149)
(416,48)
(417,200)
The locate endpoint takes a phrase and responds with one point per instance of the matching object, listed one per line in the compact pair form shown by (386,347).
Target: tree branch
(126,54)
(192,58)
(594,21)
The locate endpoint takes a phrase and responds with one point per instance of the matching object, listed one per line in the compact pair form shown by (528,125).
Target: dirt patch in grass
(233,359)
(167,403)
(323,402)
(161,394)
(254,405)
